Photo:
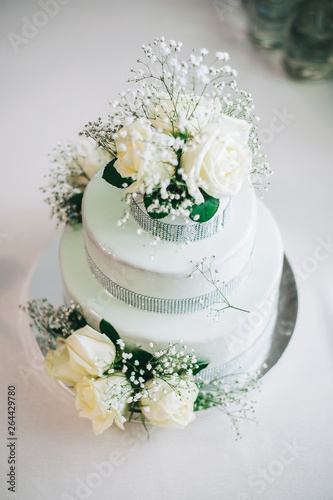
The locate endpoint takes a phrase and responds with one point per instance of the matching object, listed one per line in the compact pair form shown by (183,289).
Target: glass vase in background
(309,42)
(268,22)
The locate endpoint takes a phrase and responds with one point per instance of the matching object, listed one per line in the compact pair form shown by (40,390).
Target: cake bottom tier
(224,339)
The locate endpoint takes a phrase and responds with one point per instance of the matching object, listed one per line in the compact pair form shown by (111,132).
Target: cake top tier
(141,264)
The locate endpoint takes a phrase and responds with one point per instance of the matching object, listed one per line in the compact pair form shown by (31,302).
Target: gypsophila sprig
(231,394)
(73,165)
(182,133)
(206,268)
(54,322)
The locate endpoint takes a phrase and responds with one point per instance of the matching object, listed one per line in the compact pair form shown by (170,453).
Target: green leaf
(143,357)
(111,176)
(182,135)
(109,331)
(202,366)
(73,208)
(76,199)
(148,199)
(205,210)
(76,320)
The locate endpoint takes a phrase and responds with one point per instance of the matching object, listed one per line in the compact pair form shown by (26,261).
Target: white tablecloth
(53,80)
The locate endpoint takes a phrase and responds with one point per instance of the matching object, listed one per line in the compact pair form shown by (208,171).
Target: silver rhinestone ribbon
(178,233)
(168,306)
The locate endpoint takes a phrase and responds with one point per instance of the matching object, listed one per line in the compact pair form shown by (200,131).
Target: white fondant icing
(220,341)
(162,271)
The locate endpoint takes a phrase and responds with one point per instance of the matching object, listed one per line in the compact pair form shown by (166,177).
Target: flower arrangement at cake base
(112,382)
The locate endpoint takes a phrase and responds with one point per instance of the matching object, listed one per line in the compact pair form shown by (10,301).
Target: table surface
(54,79)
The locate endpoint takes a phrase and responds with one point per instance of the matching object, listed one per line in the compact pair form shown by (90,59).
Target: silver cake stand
(46,282)
(286,317)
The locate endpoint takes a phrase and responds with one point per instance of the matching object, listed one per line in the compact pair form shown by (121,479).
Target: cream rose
(168,405)
(85,352)
(89,160)
(103,400)
(93,161)
(220,162)
(140,158)
(131,145)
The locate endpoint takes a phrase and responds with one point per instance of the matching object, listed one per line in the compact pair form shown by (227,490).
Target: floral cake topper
(182,137)
(179,140)
(114,381)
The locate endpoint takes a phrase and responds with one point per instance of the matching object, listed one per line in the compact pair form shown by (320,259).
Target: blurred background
(302,29)
(63,60)
(61,63)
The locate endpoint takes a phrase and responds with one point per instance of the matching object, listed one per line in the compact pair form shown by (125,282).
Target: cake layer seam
(169,306)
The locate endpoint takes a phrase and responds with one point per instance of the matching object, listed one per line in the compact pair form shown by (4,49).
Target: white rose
(77,181)
(93,161)
(220,163)
(140,158)
(88,161)
(131,145)
(173,406)
(85,352)
(103,400)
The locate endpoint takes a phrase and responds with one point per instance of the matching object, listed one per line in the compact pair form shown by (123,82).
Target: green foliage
(148,199)
(111,176)
(205,210)
(143,358)
(55,322)
(74,209)
(106,328)
(201,366)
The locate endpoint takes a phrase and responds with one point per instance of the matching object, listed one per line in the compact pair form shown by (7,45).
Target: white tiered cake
(171,267)
(102,257)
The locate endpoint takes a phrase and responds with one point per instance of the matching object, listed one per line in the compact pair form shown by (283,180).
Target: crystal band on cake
(168,306)
(180,233)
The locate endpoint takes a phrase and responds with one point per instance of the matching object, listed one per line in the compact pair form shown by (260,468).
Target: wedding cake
(154,293)
(170,264)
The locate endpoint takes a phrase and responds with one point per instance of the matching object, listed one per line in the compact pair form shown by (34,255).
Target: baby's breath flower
(178,98)
(55,322)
